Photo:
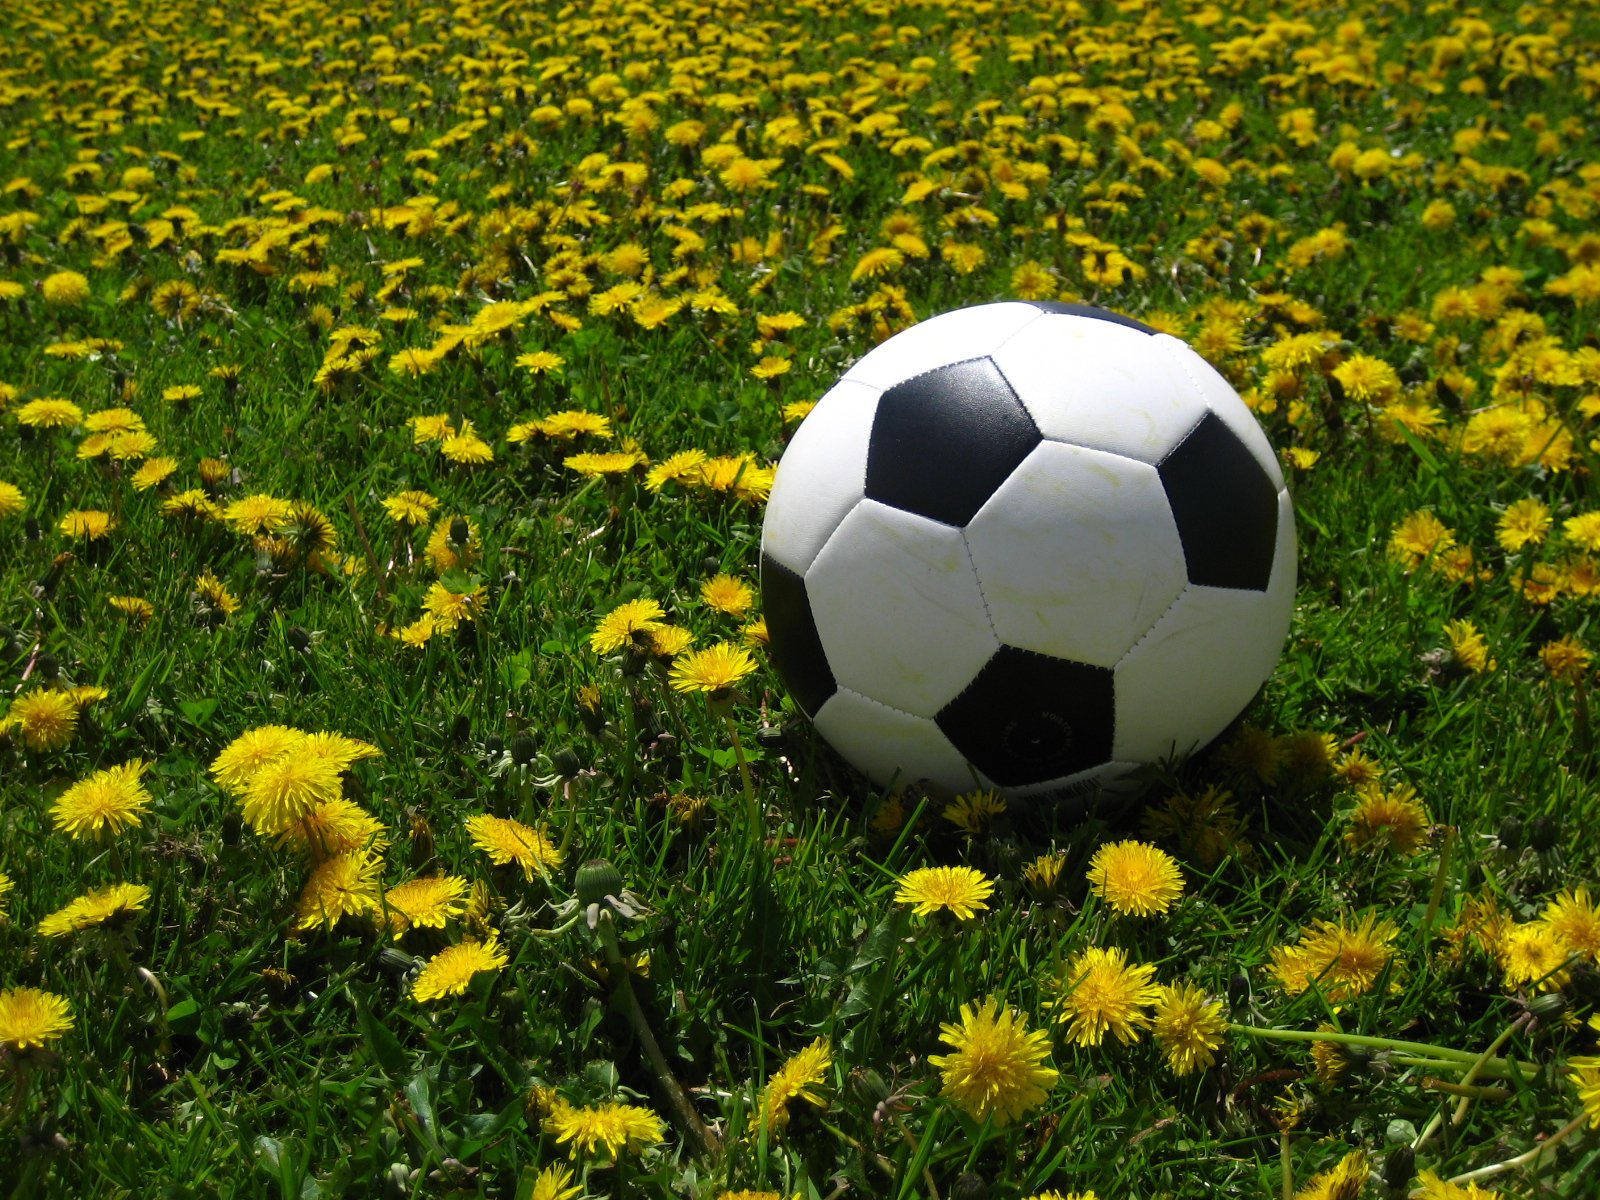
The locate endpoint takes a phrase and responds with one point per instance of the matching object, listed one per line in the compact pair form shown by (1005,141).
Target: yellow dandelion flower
(450,972)
(1533,954)
(344,885)
(286,788)
(727,594)
(47,718)
(682,467)
(540,362)
(506,840)
(1188,1026)
(91,525)
(258,514)
(428,901)
(449,608)
(554,1183)
(1468,650)
(1340,960)
(1345,1181)
(974,812)
(1565,658)
(613,1129)
(880,260)
(410,507)
(1583,1071)
(50,412)
(629,624)
(335,827)
(714,670)
(98,907)
(64,289)
(618,462)
(241,758)
(1524,522)
(797,1079)
(1583,530)
(996,1066)
(961,891)
(108,801)
(1135,879)
(1418,537)
(1101,992)
(1393,818)
(152,473)
(570,424)
(32,1017)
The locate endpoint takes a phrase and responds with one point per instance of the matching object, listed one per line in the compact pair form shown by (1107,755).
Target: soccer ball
(1026,546)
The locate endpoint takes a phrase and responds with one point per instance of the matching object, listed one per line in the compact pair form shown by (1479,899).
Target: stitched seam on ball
(1184,367)
(902,711)
(959,362)
(1154,625)
(1178,445)
(978,579)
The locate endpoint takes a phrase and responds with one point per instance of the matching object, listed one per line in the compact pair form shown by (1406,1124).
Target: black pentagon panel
(1029,718)
(1088,310)
(944,440)
(792,636)
(1225,506)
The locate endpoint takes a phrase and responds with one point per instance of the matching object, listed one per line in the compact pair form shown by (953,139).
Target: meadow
(396,798)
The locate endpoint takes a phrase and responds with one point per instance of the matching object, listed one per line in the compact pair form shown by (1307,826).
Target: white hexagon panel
(821,477)
(950,337)
(897,608)
(891,747)
(1201,664)
(1098,384)
(1077,553)
(1221,399)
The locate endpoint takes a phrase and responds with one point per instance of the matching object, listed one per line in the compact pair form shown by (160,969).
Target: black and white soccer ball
(1026,546)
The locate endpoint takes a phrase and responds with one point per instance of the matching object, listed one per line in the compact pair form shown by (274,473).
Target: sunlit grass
(394,794)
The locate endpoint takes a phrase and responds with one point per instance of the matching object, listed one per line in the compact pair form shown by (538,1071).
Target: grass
(235,190)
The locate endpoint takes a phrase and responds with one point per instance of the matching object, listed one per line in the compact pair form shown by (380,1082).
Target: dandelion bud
(870,1086)
(1548,1009)
(1238,990)
(494,745)
(596,880)
(523,748)
(969,1185)
(422,840)
(566,762)
(589,700)
(1544,832)
(299,640)
(460,728)
(397,963)
(1509,834)
(1398,1167)
(460,531)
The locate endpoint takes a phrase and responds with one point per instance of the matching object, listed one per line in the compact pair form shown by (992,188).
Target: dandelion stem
(1436,1122)
(1527,1157)
(897,933)
(756,822)
(1436,896)
(1499,1068)
(677,1099)
(1476,1069)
